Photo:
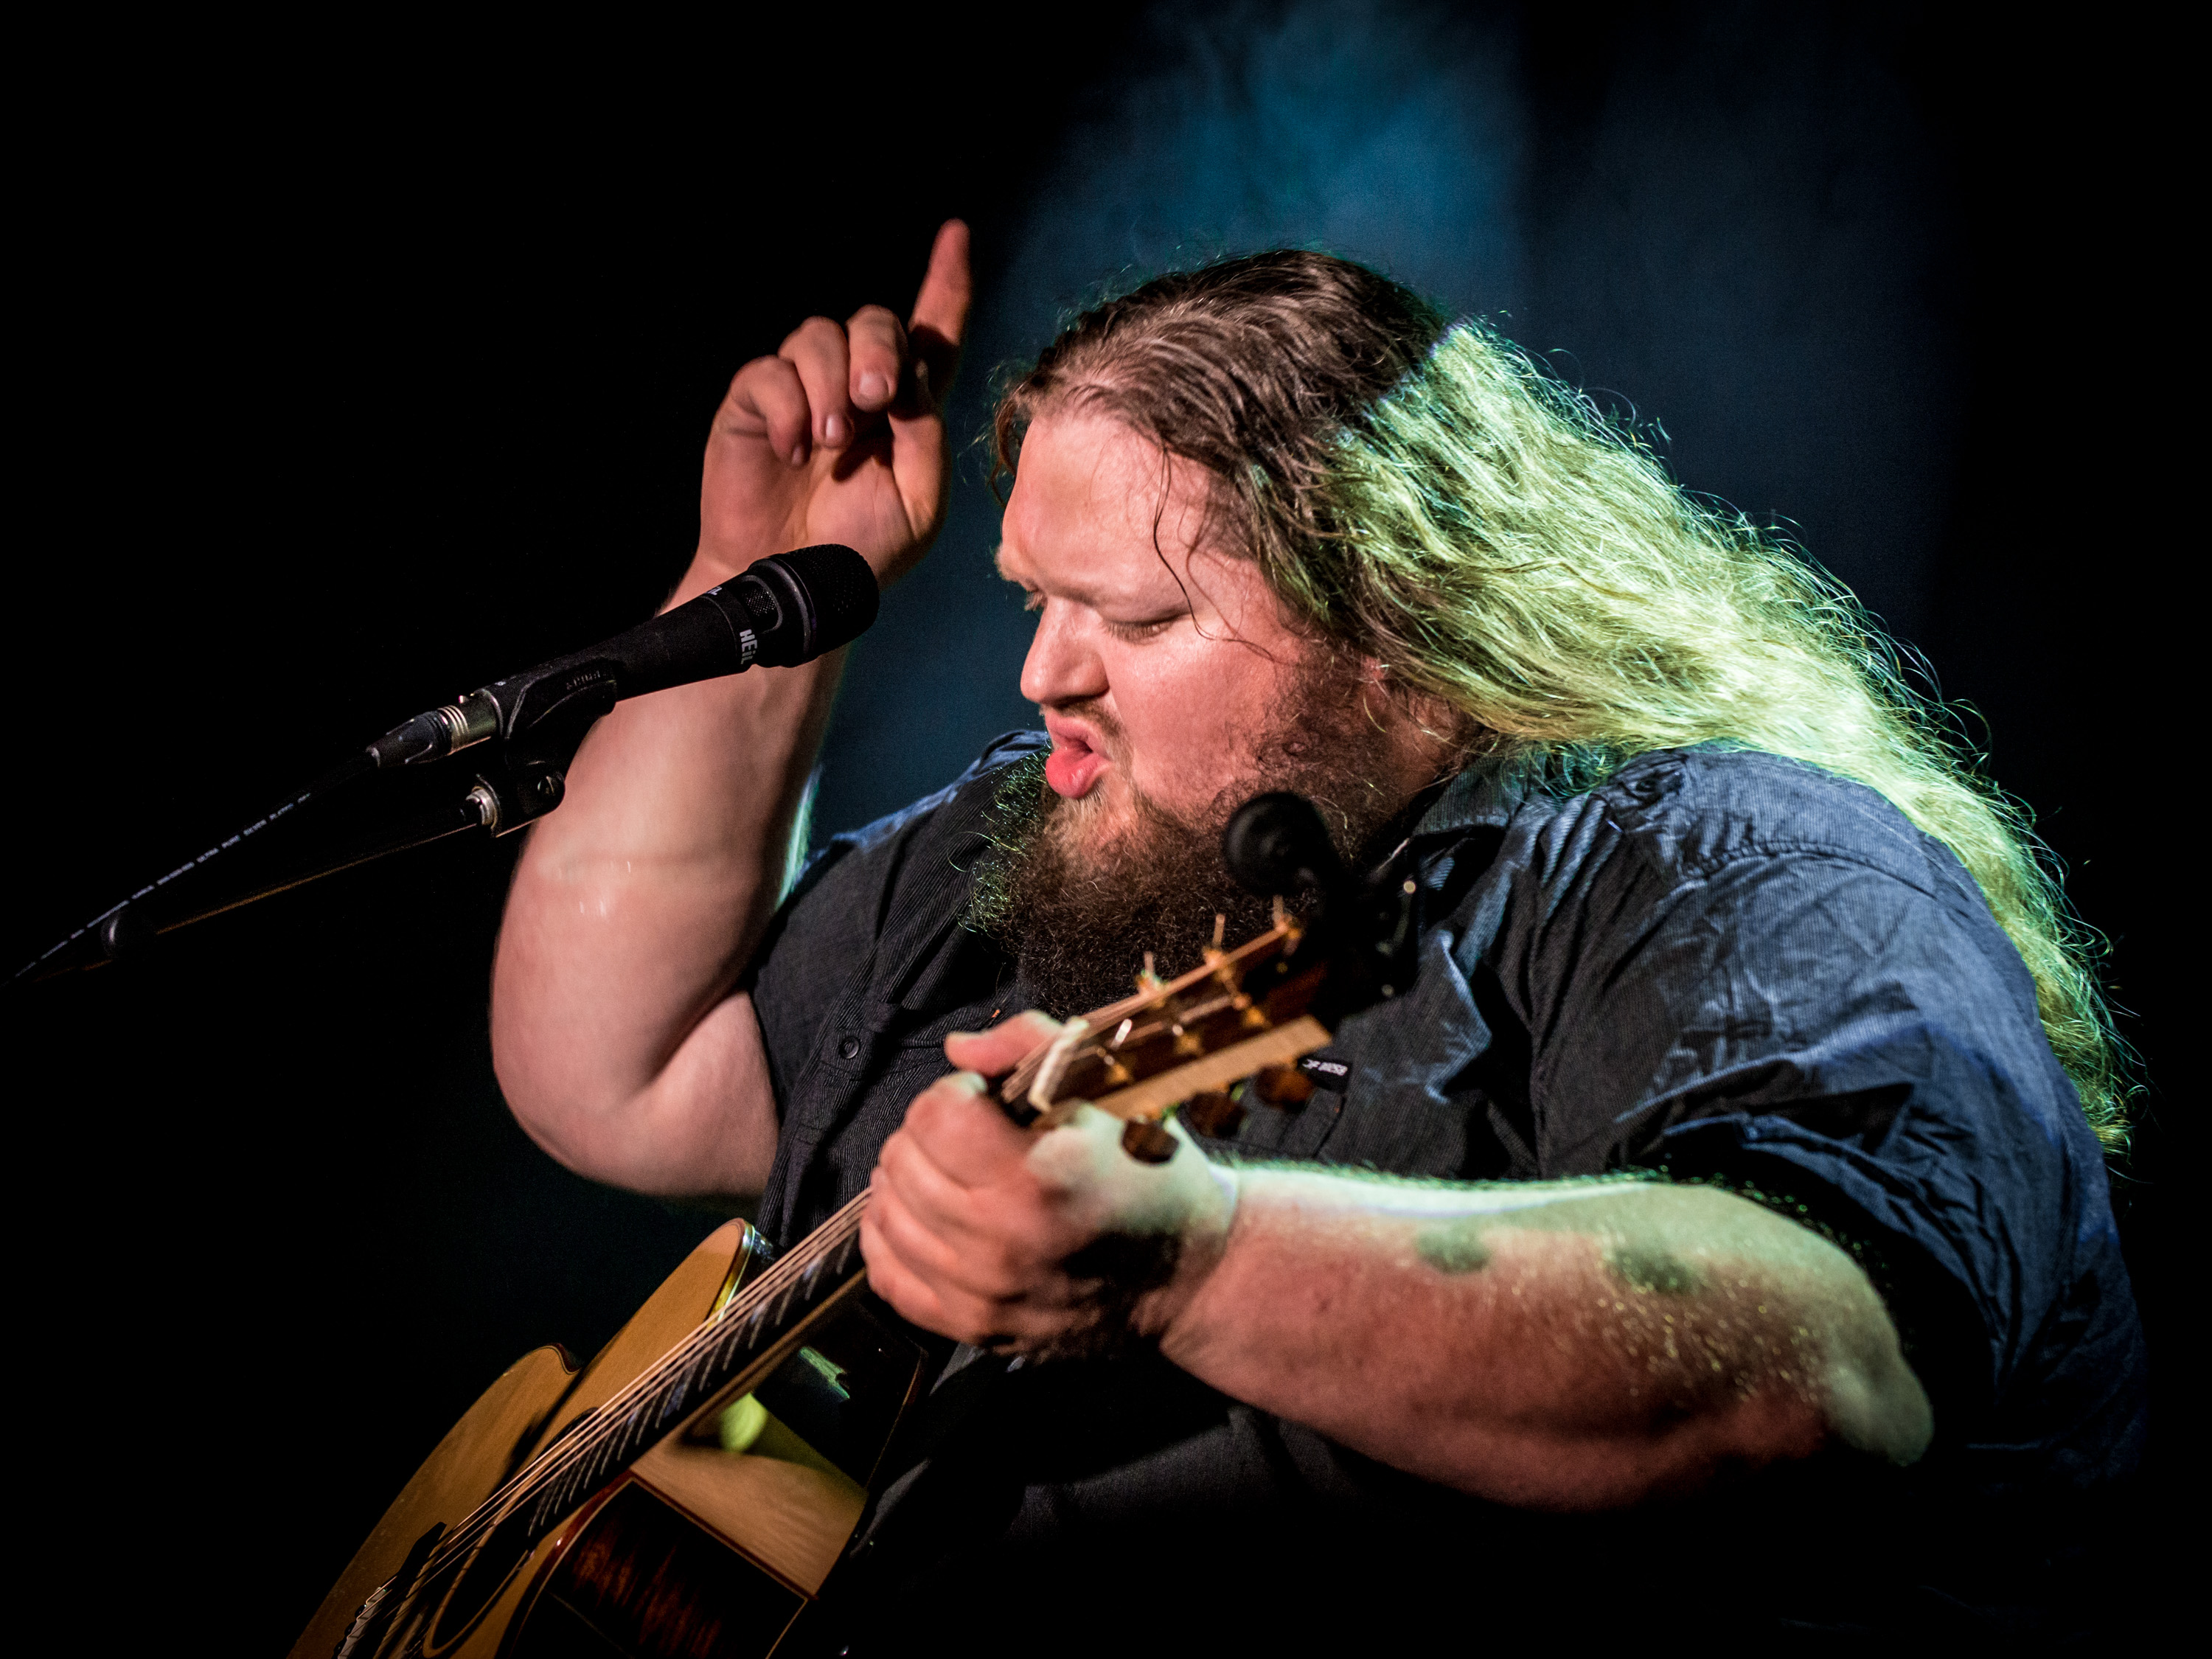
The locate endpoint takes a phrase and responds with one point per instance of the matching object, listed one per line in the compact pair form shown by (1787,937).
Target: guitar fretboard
(608,1439)
(760,1324)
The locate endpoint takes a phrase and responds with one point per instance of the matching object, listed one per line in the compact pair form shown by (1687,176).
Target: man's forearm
(635,906)
(1561,1346)
(619,1040)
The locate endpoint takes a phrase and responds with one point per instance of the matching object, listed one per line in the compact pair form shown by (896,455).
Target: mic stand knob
(485,800)
(530,776)
(512,797)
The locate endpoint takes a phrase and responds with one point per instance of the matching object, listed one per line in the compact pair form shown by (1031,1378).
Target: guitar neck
(1243,1010)
(760,1328)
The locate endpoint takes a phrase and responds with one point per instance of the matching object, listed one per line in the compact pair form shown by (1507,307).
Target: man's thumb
(1001,1048)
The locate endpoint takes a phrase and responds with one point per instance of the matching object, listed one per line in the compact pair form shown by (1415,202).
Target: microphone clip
(552,709)
(784,610)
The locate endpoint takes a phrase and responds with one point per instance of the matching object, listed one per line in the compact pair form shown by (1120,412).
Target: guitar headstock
(1231,1030)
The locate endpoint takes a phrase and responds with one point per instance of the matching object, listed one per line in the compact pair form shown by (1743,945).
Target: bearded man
(1719,1216)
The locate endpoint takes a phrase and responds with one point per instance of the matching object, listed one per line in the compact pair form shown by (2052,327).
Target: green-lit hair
(1421,494)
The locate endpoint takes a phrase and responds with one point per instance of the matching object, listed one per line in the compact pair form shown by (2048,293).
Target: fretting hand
(840,436)
(1054,1243)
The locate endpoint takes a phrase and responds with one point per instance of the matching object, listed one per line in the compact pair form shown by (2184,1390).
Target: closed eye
(1148,629)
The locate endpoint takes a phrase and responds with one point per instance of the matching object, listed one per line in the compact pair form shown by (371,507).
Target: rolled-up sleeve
(1789,991)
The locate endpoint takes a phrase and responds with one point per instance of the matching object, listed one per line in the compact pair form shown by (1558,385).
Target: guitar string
(558,1461)
(612,1414)
(612,1417)
(1244,957)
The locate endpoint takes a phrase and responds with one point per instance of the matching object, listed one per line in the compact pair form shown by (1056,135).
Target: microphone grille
(836,593)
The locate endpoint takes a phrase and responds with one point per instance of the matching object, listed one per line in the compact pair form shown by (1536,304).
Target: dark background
(343,388)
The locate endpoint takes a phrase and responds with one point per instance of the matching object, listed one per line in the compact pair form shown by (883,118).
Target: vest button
(849,1048)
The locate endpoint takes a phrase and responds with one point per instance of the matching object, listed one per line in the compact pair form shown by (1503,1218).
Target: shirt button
(849,1048)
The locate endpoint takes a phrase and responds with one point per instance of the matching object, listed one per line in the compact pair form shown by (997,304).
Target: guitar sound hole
(644,1583)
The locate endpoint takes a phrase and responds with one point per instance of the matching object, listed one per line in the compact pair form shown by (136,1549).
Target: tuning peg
(1216,1113)
(1277,844)
(1148,1142)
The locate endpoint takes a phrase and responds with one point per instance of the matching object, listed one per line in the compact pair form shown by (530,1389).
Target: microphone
(781,611)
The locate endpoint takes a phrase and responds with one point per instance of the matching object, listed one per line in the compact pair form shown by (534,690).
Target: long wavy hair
(1419,492)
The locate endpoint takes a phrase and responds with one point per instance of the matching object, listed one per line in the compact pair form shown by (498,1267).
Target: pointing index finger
(946,288)
(940,318)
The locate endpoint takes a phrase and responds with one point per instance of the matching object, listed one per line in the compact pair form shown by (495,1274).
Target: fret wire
(738,1337)
(648,1400)
(565,1493)
(656,1392)
(839,1233)
(568,1457)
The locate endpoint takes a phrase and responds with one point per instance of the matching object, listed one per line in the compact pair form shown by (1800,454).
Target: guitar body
(694,1549)
(689,1492)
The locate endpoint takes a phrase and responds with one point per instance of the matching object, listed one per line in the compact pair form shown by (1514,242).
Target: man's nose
(1062,665)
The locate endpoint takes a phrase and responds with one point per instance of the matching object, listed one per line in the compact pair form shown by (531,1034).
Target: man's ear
(1454,734)
(1380,697)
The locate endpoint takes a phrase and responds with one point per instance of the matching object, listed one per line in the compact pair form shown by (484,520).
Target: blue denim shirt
(1719,965)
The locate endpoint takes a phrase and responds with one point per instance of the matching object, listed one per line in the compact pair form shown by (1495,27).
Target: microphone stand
(518,782)
(787,608)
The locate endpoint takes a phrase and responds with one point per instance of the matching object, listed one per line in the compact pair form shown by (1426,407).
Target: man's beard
(1081,910)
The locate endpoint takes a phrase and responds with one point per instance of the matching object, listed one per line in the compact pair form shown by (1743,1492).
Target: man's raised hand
(840,436)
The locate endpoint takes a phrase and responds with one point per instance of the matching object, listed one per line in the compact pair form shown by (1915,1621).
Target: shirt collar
(1483,796)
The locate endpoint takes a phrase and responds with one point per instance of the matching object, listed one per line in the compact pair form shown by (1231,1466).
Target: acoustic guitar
(688,1491)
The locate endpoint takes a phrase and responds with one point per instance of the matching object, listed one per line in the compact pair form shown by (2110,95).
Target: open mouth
(1073,767)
